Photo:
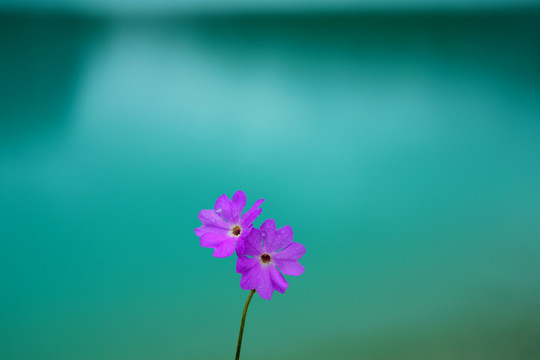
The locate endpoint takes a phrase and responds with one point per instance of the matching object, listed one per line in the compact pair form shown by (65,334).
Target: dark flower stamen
(265,258)
(236,230)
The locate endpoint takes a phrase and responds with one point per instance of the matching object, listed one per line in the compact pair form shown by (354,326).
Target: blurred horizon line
(270,10)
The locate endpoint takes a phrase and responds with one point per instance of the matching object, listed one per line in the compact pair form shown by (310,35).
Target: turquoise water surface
(402,148)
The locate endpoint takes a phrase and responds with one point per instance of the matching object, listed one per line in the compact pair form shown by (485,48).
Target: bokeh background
(400,140)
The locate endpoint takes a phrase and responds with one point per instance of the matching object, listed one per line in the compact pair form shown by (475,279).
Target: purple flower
(265,251)
(224,228)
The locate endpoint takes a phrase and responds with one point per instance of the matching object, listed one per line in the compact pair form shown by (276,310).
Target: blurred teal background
(401,143)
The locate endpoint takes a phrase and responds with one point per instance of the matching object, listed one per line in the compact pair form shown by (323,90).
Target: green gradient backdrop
(403,149)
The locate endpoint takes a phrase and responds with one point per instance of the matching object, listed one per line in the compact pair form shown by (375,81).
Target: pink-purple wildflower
(264,252)
(224,228)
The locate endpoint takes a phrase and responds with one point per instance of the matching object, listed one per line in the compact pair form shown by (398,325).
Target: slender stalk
(242,325)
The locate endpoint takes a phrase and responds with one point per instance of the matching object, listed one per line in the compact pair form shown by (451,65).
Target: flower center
(265,258)
(236,230)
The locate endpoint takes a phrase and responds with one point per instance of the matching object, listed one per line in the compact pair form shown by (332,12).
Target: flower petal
(244,263)
(289,267)
(292,252)
(238,205)
(250,268)
(226,248)
(212,240)
(211,219)
(223,207)
(201,230)
(250,215)
(280,284)
(274,239)
(271,279)
(253,243)
(240,245)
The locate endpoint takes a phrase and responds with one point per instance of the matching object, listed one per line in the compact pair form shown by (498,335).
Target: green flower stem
(242,325)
